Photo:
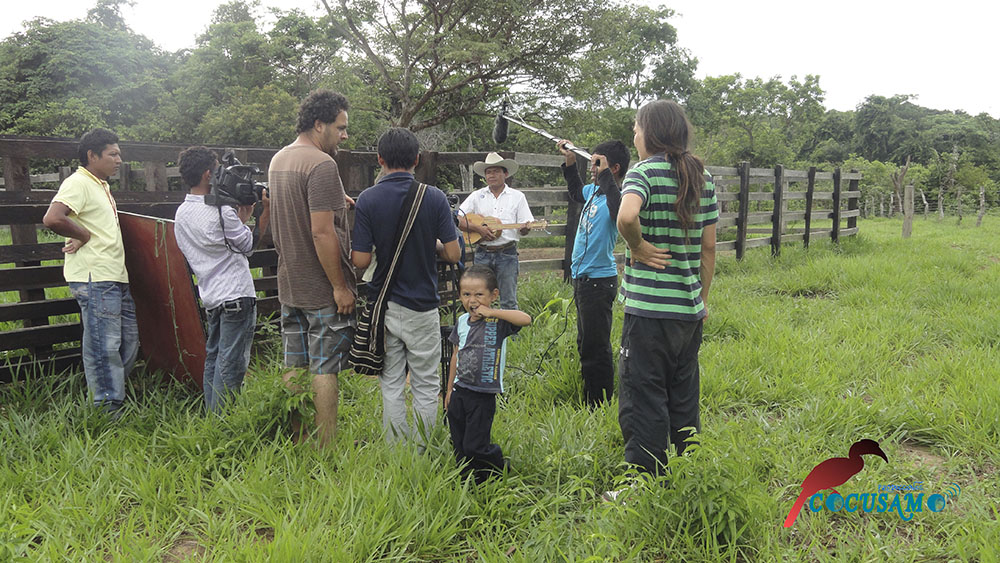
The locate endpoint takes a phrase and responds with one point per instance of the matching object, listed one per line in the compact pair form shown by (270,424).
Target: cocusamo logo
(905,500)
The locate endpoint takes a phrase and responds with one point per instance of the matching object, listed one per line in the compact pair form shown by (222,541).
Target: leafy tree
(765,122)
(302,50)
(831,141)
(432,61)
(97,67)
(633,58)
(259,117)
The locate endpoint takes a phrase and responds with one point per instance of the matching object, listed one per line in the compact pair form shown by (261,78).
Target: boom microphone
(500,126)
(502,123)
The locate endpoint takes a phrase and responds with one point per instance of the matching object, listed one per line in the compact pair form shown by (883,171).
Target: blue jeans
(110,338)
(505,265)
(227,349)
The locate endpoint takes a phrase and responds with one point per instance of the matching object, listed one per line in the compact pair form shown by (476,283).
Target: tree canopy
(579,68)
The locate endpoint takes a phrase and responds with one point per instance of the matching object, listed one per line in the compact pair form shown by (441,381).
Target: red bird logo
(833,473)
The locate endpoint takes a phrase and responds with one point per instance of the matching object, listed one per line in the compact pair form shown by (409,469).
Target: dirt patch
(185,549)
(809,293)
(922,456)
(264,534)
(985,471)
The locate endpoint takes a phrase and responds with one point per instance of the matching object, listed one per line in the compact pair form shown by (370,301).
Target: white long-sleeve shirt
(223,275)
(511,207)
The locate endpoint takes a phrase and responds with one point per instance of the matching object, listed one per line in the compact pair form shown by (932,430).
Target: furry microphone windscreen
(500,126)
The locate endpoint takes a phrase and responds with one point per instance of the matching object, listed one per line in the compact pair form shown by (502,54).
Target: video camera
(233,184)
(453,203)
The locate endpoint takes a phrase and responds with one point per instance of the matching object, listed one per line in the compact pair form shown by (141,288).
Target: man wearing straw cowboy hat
(498,249)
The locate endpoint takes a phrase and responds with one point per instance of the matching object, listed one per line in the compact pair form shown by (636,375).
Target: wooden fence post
(17,178)
(810,188)
(777,217)
(908,211)
(573,221)
(982,205)
(426,170)
(852,202)
(350,172)
(156,176)
(744,211)
(958,199)
(125,177)
(835,233)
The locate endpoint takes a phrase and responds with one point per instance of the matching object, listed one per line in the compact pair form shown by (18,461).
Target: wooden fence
(39,323)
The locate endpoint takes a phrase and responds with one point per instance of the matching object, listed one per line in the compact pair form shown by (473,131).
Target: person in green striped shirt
(667,217)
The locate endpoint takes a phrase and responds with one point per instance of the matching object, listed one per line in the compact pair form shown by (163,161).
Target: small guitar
(495,225)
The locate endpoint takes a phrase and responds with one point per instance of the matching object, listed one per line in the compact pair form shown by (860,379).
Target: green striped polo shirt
(674,292)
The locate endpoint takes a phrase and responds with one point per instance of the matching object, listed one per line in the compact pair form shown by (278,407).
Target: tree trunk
(881,205)
(949,182)
(466,172)
(924,198)
(982,206)
(898,178)
(908,211)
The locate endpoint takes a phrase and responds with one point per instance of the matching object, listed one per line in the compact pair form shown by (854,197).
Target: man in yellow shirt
(84,212)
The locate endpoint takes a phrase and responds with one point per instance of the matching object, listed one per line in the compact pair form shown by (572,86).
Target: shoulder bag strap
(407,217)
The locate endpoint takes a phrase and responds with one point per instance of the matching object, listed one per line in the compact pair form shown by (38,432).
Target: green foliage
(634,58)
(66,77)
(258,117)
(763,122)
(579,69)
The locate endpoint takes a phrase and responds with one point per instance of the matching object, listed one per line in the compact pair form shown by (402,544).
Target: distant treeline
(579,68)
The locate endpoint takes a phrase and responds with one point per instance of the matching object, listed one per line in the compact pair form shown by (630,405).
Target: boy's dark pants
(470,419)
(658,387)
(594,298)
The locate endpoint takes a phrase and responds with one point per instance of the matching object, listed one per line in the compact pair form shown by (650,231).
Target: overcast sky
(944,53)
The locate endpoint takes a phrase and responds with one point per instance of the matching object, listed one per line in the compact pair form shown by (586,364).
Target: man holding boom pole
(593,268)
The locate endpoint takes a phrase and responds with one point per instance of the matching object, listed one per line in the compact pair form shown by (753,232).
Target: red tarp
(171,332)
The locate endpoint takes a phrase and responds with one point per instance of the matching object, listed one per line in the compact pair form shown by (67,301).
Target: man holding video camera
(316,281)
(214,238)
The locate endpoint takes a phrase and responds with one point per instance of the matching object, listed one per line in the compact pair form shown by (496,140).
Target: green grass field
(882,338)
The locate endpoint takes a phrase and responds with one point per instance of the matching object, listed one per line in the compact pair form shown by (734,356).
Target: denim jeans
(110,338)
(505,265)
(227,349)
(594,298)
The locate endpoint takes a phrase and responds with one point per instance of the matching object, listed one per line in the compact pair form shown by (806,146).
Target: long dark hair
(667,130)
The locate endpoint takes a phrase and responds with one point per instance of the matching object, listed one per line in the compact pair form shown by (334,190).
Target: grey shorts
(318,338)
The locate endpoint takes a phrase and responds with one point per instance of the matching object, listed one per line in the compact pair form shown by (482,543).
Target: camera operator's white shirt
(223,275)
(511,207)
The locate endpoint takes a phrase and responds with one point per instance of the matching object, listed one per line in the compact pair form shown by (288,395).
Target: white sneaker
(612,496)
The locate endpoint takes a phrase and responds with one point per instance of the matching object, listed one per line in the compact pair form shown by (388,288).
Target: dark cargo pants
(658,388)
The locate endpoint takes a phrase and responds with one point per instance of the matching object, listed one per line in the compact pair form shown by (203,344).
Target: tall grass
(884,338)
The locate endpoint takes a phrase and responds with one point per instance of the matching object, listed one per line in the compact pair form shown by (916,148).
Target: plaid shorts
(318,338)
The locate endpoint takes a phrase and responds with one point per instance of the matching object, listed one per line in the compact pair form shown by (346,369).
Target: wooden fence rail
(39,326)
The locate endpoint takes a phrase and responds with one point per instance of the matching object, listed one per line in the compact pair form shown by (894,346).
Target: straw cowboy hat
(493,159)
